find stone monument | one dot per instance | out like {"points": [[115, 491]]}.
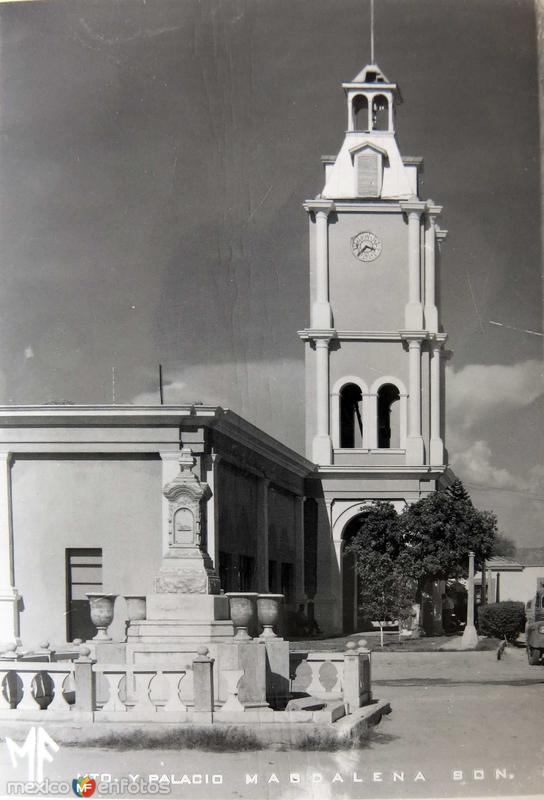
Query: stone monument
{"points": [[186, 609]]}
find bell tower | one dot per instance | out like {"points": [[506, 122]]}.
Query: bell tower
{"points": [[373, 349], [374, 388]]}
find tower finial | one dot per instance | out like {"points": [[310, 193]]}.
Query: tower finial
{"points": [[372, 32]]}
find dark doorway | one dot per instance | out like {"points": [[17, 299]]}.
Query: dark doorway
{"points": [[83, 574]]}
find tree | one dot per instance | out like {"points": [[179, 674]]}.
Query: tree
{"points": [[504, 546], [441, 529], [396, 554], [457, 491], [387, 587]]}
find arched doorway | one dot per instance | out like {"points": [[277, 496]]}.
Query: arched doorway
{"points": [[352, 620]]}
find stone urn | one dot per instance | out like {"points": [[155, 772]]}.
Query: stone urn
{"points": [[268, 609], [242, 605], [136, 606], [101, 613]]}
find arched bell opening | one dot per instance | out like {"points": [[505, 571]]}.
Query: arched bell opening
{"points": [[380, 113], [360, 113], [351, 416], [389, 416]]}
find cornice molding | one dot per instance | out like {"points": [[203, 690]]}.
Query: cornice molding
{"points": [[310, 334], [319, 204], [428, 472], [413, 206], [358, 206]]}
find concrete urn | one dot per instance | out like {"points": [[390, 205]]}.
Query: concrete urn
{"points": [[101, 613], [268, 609], [136, 607], [242, 606]]}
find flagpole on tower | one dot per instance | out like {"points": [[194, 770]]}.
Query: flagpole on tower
{"points": [[372, 32]]}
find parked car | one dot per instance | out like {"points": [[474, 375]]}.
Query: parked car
{"points": [[534, 628]]}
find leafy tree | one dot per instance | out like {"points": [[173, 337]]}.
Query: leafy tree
{"points": [[387, 587], [396, 554], [504, 546], [439, 531], [457, 491]]}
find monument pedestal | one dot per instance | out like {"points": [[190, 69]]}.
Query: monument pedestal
{"points": [[170, 618]]}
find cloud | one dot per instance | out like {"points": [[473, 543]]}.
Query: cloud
{"points": [[475, 465], [479, 390], [254, 389], [478, 394]]}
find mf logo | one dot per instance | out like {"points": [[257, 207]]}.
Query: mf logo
{"points": [[37, 749]]}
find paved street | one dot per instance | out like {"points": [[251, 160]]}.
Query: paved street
{"points": [[462, 725]]}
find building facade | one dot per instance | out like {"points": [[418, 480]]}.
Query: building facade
{"points": [[83, 509]]}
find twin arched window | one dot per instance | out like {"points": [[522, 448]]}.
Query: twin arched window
{"points": [[381, 414], [379, 119]]}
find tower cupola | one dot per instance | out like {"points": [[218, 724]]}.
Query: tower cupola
{"points": [[371, 101], [369, 164]]}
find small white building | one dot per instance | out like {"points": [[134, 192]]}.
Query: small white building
{"points": [[510, 579]]}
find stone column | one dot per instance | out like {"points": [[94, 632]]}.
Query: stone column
{"points": [[262, 534], [437, 445], [300, 594], [414, 442], [431, 311], [413, 315], [370, 421], [470, 637], [322, 447], [9, 617], [321, 309]]}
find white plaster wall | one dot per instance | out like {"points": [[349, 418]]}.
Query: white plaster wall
{"points": [[114, 504], [369, 296], [519, 585], [369, 361]]}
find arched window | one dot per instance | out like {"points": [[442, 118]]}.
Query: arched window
{"points": [[388, 416], [360, 113], [351, 420], [380, 113]]}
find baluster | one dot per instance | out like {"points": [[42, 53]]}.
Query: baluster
{"points": [[4, 703], [143, 681], [28, 702], [314, 687], [58, 703], [174, 701], [114, 684], [232, 678]]}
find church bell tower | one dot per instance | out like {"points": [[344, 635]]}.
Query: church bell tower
{"points": [[374, 366], [373, 347]]}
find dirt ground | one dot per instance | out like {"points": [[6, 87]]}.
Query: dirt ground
{"points": [[463, 724]]}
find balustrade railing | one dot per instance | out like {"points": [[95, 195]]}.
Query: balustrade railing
{"points": [[85, 690], [334, 676]]}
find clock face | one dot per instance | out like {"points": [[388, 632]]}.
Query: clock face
{"points": [[366, 246]]}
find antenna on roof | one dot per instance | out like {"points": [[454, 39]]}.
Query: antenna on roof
{"points": [[372, 32], [113, 398], [161, 390]]}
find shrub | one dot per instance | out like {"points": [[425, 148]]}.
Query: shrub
{"points": [[504, 620]]}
